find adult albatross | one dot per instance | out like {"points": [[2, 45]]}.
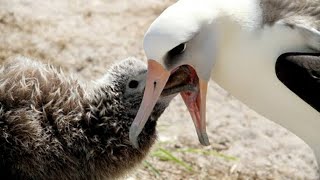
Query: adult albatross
{"points": [[237, 44]]}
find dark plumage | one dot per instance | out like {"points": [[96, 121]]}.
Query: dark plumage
{"points": [[54, 127], [300, 72]]}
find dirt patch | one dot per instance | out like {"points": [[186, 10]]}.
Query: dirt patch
{"points": [[84, 37]]}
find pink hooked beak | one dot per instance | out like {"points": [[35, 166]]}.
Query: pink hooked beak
{"points": [[157, 77]]}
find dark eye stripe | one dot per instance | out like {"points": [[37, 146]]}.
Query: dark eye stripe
{"points": [[177, 50], [173, 56]]}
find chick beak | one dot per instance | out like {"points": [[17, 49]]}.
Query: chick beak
{"points": [[157, 77]]}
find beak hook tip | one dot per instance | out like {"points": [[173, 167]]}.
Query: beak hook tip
{"points": [[204, 140]]}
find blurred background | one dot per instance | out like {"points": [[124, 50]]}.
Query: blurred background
{"points": [[85, 37]]}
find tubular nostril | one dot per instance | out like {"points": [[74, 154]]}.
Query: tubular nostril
{"points": [[133, 84], [154, 84]]}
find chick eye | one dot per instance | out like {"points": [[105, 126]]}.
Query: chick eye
{"points": [[133, 84], [178, 49]]}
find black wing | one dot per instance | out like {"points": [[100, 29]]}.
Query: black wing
{"points": [[300, 72]]}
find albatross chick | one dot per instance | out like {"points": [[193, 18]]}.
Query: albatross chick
{"points": [[52, 126]]}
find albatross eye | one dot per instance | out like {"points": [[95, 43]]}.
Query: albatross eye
{"points": [[178, 49]]}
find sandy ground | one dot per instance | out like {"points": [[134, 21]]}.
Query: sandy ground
{"points": [[84, 37]]}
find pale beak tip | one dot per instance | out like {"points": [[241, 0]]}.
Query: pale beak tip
{"points": [[133, 136], [204, 140]]}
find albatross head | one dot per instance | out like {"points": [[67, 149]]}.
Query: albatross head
{"points": [[182, 36]]}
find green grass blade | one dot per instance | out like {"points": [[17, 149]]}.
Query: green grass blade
{"points": [[209, 152], [152, 168], [171, 157]]}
